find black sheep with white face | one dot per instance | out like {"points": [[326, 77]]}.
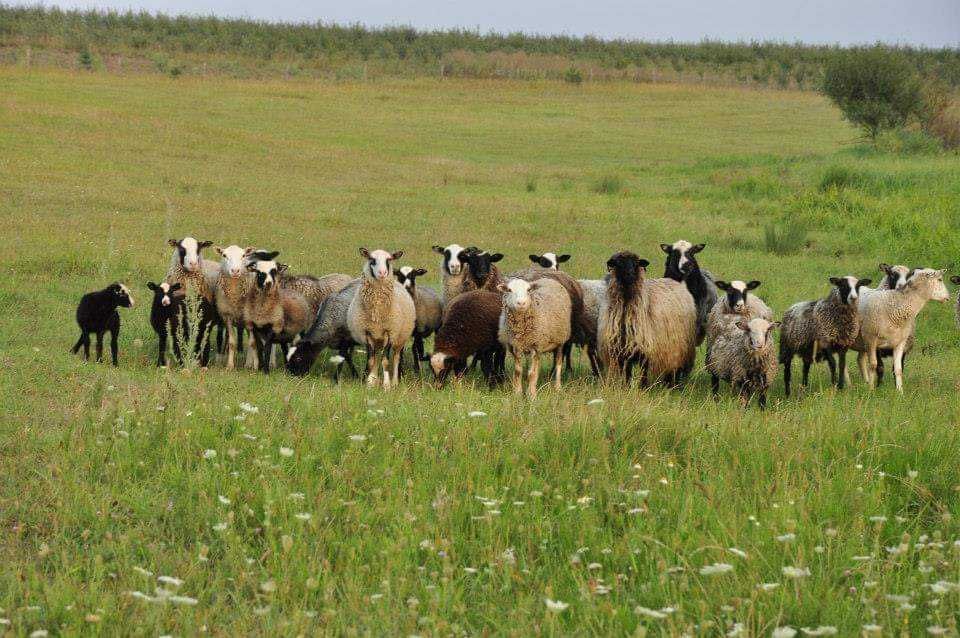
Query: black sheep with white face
{"points": [[97, 313], [848, 288], [681, 259], [168, 315]]}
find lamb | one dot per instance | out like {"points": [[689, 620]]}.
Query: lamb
{"points": [[382, 315], [744, 355], [736, 303], [470, 328], [652, 322], [271, 313], [536, 319], [97, 313], [168, 309], [328, 331], [816, 329], [454, 273], [681, 265], [888, 317], [429, 310], [549, 261]]}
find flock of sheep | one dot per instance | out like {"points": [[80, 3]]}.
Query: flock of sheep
{"points": [[626, 322]]}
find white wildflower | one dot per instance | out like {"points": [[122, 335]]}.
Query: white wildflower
{"points": [[358, 438], [593, 566], [170, 580], [937, 630], [878, 519], [286, 452], [219, 527], [861, 559], [784, 632], [767, 586], [182, 600], [650, 613], [787, 538], [223, 499], [872, 629], [209, 454], [143, 572], [39, 633], [738, 629], [476, 414], [796, 572], [337, 359], [470, 570], [508, 556], [716, 568], [737, 551], [822, 630], [248, 408], [303, 516], [595, 402], [556, 606]]}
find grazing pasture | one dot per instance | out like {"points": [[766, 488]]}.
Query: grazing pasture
{"points": [[274, 505]]}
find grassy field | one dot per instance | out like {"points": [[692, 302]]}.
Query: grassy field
{"points": [[326, 509]]}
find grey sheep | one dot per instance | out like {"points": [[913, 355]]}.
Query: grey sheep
{"points": [[428, 308], [328, 331], [743, 354]]}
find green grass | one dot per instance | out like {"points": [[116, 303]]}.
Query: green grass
{"points": [[607, 507]]}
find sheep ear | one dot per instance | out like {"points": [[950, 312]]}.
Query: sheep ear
{"points": [[644, 263], [267, 256], [884, 268], [753, 285], [173, 242], [419, 272], [864, 282], [252, 267], [204, 244], [722, 285], [501, 287], [364, 253], [151, 285], [282, 268], [743, 325], [496, 257], [437, 249], [176, 286], [955, 279], [696, 248], [774, 326], [666, 248], [219, 250], [249, 250], [563, 258], [397, 255], [534, 258], [835, 281], [939, 273]]}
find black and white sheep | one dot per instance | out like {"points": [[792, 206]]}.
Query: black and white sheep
{"points": [[97, 314], [168, 315], [681, 265], [549, 260], [191, 270], [818, 329], [888, 319], [453, 273], [428, 308], [381, 316], [744, 355], [647, 322]]}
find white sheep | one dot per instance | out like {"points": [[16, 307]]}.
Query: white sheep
{"points": [[535, 320], [888, 317], [381, 316], [230, 294], [650, 322], [743, 354]]}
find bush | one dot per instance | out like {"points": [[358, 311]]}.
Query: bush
{"points": [[876, 88], [573, 76], [85, 60], [788, 236], [608, 185], [839, 177], [907, 142], [531, 183]]}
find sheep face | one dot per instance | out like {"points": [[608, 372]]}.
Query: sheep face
{"points": [[267, 272], [849, 288], [121, 295], [452, 258], [408, 276], [895, 277], [300, 358], [680, 257], [379, 263], [758, 332], [233, 260], [516, 293], [550, 261], [480, 262], [188, 252], [627, 268], [162, 293], [931, 282], [737, 293]]}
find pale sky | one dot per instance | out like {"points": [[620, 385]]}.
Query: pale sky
{"points": [[934, 23]]}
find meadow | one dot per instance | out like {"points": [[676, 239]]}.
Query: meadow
{"points": [[271, 505]]}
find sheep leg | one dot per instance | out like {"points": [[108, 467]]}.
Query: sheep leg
{"points": [[842, 364], [805, 379], [162, 348], [517, 371], [347, 354], [561, 359], [872, 352], [99, 347], [594, 360], [567, 351], [828, 357], [417, 350], [533, 374], [787, 372], [385, 364], [898, 365], [76, 347], [372, 379], [232, 339], [880, 370], [715, 386], [395, 355], [253, 348], [175, 341], [114, 345], [762, 399]]}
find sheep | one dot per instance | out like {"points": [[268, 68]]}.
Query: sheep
{"points": [[382, 315], [652, 322], [328, 331], [189, 268], [230, 295], [168, 308], [453, 273], [737, 302], [482, 272], [956, 280], [744, 355], [429, 311], [470, 327], [894, 278], [535, 319], [681, 265], [549, 261], [271, 313], [887, 319], [817, 329], [97, 313]]}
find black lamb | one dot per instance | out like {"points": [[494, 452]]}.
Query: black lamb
{"points": [[97, 313], [168, 309]]}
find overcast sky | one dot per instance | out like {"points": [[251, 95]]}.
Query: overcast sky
{"points": [[918, 22]]}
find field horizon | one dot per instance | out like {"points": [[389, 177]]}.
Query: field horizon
{"points": [[276, 505]]}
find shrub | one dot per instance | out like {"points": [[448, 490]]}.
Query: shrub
{"points": [[876, 88], [85, 60], [839, 177], [573, 76], [940, 120], [908, 142], [787, 236], [531, 183], [608, 185]]}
